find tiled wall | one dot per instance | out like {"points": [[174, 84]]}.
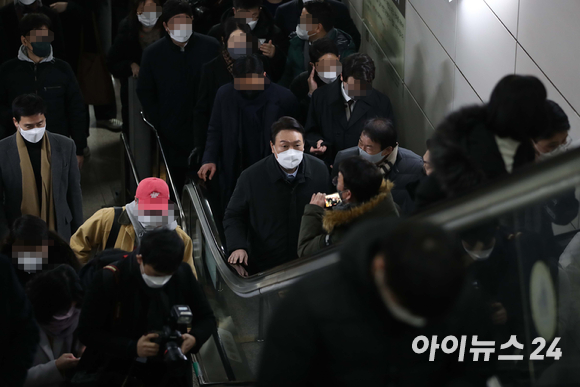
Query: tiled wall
{"points": [[456, 51]]}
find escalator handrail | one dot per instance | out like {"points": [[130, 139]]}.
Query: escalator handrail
{"points": [[129, 155], [170, 177], [528, 186], [261, 283]]}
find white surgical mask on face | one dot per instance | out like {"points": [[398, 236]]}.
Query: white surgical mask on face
{"points": [[558, 151], [479, 255], [290, 159], [182, 34], [148, 19], [32, 135], [372, 158], [302, 33], [154, 282], [328, 76], [252, 23]]}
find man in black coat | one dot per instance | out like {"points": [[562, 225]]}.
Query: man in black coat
{"points": [[356, 322], [10, 16], [51, 78], [239, 131], [288, 15], [339, 111], [262, 220], [18, 330], [129, 303], [169, 80], [378, 144], [273, 42]]}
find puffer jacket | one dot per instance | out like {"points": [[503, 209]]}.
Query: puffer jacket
{"points": [[295, 63], [320, 229]]}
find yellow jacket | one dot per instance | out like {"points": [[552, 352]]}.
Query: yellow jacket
{"points": [[95, 232]]}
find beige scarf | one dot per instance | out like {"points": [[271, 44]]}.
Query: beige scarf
{"points": [[30, 199]]}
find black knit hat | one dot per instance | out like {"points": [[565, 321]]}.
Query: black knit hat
{"points": [[176, 7]]}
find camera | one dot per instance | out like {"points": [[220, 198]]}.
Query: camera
{"points": [[169, 339]]}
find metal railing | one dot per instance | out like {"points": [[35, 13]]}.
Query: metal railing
{"points": [[169, 177], [130, 159]]}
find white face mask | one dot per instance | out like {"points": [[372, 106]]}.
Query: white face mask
{"points": [[252, 23], [478, 255], [182, 34], [32, 135], [558, 151], [375, 159], [328, 76], [153, 281], [302, 33], [149, 19], [290, 159]]}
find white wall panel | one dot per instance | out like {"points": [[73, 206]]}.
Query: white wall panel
{"points": [[440, 16], [463, 93], [550, 32], [428, 69], [358, 7], [507, 12], [417, 127], [525, 66], [485, 49]]}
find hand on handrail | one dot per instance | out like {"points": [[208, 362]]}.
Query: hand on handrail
{"points": [[239, 256], [206, 169]]}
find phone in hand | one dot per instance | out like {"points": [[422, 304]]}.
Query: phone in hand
{"points": [[332, 200]]}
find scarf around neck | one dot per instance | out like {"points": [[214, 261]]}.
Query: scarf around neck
{"points": [[31, 203]]}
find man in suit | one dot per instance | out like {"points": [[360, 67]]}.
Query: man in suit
{"points": [[339, 111], [288, 16], [39, 173]]}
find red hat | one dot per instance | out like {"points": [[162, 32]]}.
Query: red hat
{"points": [[153, 194]]}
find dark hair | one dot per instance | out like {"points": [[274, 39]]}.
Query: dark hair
{"points": [[381, 131], [428, 143], [60, 253], [33, 21], [361, 177], [53, 292], [423, 268], [28, 230], [322, 47], [232, 24], [286, 123], [133, 20], [516, 108], [247, 4], [175, 7], [557, 121], [482, 233], [163, 249], [321, 11], [27, 105], [358, 66], [249, 64]]}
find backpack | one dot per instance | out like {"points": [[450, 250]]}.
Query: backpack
{"points": [[114, 233], [100, 261]]}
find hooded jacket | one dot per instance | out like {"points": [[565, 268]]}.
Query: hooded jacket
{"points": [[320, 229], [94, 233], [333, 329], [53, 79]]}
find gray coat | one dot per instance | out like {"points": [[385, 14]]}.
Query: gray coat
{"points": [[407, 169], [66, 184]]}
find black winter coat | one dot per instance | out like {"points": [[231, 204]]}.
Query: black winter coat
{"points": [[141, 310], [11, 37], [327, 118], [333, 329], [408, 168], [56, 83], [264, 213], [288, 15], [299, 87], [226, 133], [167, 88], [264, 31], [18, 329]]}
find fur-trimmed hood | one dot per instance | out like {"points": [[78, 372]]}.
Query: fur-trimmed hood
{"points": [[339, 217]]}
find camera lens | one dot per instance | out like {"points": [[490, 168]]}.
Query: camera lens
{"points": [[173, 353]]}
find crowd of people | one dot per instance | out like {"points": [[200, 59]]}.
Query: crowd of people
{"points": [[268, 105]]}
